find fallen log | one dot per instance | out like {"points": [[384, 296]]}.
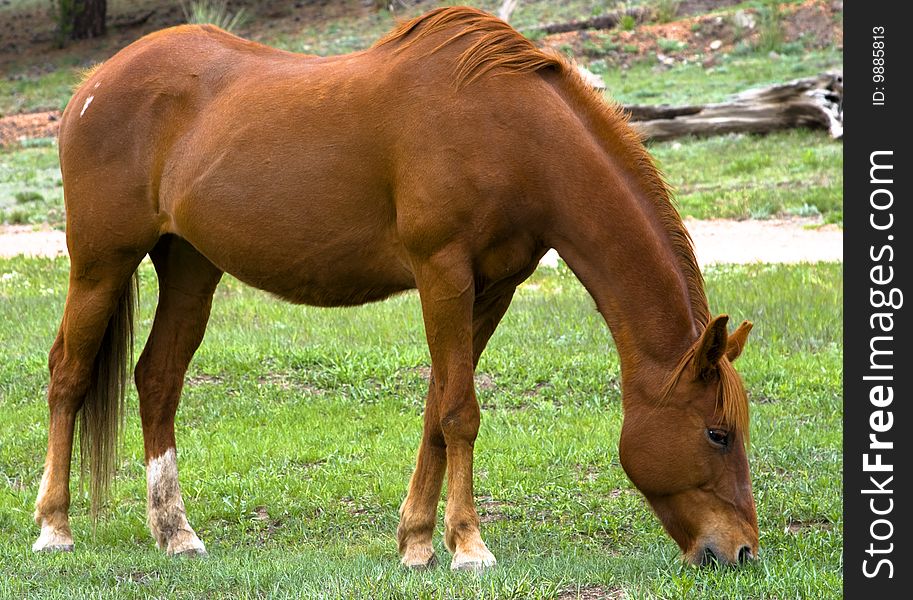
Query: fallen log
{"points": [[815, 102], [606, 21]]}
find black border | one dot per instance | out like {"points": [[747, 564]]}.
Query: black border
{"points": [[873, 128]]}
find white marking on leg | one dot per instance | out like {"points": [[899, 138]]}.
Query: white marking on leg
{"points": [[167, 518], [53, 537], [476, 558], [86, 105], [43, 488]]}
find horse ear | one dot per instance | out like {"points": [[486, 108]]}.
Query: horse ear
{"points": [[736, 342], [712, 345]]}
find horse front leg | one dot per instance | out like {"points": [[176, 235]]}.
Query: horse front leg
{"points": [[418, 512], [445, 284]]}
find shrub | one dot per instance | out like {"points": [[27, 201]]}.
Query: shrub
{"points": [[213, 12], [667, 45], [17, 217], [626, 23], [28, 196], [665, 10], [770, 26]]}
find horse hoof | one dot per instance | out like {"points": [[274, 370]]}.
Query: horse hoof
{"points": [[186, 543], [192, 553], [475, 563], [53, 548], [420, 564], [419, 557], [53, 540]]}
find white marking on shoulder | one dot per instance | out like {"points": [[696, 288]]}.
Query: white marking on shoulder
{"points": [[86, 105], [97, 83]]}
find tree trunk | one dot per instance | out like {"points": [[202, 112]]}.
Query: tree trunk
{"points": [[81, 19]]}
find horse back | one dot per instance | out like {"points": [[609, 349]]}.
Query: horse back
{"points": [[276, 165]]}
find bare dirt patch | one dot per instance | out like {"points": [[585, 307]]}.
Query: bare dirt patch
{"points": [[28, 38], [771, 241], [491, 510], [800, 525], [587, 472], [791, 240], [26, 240], [816, 23], [537, 389], [15, 129], [198, 380], [287, 381]]}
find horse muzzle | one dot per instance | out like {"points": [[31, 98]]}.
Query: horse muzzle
{"points": [[709, 553]]}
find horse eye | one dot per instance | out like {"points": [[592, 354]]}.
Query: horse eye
{"points": [[720, 437]]}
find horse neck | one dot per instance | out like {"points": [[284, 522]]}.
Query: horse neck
{"points": [[622, 251]]}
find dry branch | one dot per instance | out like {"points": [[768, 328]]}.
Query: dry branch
{"points": [[815, 102], [507, 9]]}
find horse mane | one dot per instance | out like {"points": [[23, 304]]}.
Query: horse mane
{"points": [[498, 45], [627, 146], [86, 74], [495, 45], [732, 401]]}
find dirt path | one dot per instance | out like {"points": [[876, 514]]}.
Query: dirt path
{"points": [[16, 240], [771, 241]]}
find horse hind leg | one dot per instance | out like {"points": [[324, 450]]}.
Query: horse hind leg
{"points": [[187, 281], [97, 316]]}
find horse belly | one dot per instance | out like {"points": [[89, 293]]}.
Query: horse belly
{"points": [[315, 271], [321, 249]]}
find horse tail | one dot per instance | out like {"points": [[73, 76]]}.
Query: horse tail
{"points": [[101, 419]]}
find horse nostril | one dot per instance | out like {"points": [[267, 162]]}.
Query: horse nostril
{"points": [[745, 554], [708, 557]]}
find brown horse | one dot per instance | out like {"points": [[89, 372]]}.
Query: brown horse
{"points": [[449, 157]]}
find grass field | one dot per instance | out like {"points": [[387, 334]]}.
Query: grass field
{"points": [[298, 429]]}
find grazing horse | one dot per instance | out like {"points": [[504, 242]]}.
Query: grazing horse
{"points": [[449, 157]]}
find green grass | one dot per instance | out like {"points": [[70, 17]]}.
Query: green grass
{"points": [[31, 191], [691, 83], [315, 415], [30, 93], [796, 172]]}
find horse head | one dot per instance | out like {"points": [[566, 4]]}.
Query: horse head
{"points": [[685, 449]]}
